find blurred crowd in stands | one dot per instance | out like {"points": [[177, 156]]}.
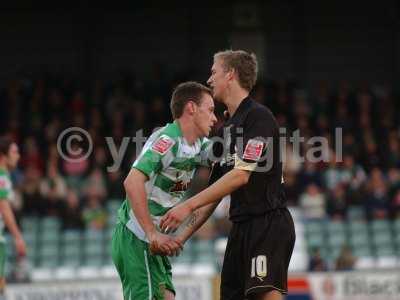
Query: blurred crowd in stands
{"points": [[35, 111]]}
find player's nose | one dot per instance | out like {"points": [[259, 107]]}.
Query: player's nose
{"points": [[213, 119]]}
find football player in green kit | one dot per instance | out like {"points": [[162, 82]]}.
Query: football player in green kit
{"points": [[9, 156], [157, 182]]}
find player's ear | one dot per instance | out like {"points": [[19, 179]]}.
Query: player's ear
{"points": [[191, 107], [231, 74]]}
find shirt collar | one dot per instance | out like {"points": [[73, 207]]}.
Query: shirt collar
{"points": [[242, 107], [178, 127]]}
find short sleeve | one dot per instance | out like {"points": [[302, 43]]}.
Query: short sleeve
{"points": [[4, 190], [258, 138], [156, 155]]}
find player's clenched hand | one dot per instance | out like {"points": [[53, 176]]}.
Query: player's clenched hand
{"points": [[174, 217], [162, 244]]}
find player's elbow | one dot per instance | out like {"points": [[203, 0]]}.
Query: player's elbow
{"points": [[129, 183], [126, 184]]}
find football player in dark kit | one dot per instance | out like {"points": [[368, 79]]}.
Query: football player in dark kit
{"points": [[262, 237]]}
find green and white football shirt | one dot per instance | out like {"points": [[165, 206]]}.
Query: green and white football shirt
{"points": [[6, 194], [169, 162]]}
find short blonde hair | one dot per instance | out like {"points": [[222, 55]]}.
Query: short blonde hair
{"points": [[244, 63]]}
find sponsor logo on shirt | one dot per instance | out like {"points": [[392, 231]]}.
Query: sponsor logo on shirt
{"points": [[180, 186], [3, 183], [163, 144], [253, 150]]}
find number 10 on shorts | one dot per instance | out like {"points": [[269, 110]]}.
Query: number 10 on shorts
{"points": [[259, 266]]}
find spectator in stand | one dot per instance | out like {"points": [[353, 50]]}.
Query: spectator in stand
{"points": [[332, 174], [53, 190], [94, 214], [76, 168], [309, 175], [394, 191], [313, 203], [317, 264], [346, 260], [377, 201], [71, 215], [114, 183], [32, 158], [337, 202], [33, 203], [95, 184]]}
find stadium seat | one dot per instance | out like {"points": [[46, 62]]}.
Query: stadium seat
{"points": [[356, 213], [112, 220], [315, 240], [204, 251], [72, 253], [50, 262], [378, 226], [29, 224], [385, 250], [336, 227], [396, 241], [94, 260], [71, 261], [331, 253], [337, 239], [359, 239], [93, 249], [50, 224], [30, 239], [314, 227], [108, 233], [49, 255], [357, 227], [113, 205], [50, 237], [396, 225], [382, 238], [71, 236], [186, 256], [93, 236], [362, 251]]}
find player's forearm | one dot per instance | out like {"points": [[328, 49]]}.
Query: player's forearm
{"points": [[197, 219], [224, 186], [136, 192], [9, 219]]}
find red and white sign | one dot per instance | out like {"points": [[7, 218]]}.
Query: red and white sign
{"points": [[163, 144], [253, 150]]}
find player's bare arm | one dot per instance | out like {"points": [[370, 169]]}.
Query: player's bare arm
{"points": [[135, 188], [9, 220], [197, 219], [224, 186]]}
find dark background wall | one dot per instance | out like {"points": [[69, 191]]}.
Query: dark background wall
{"points": [[306, 40]]}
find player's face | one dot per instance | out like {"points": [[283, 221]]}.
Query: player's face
{"points": [[204, 117], [13, 156], [218, 80]]}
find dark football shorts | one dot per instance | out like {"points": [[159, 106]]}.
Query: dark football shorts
{"points": [[257, 255]]}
